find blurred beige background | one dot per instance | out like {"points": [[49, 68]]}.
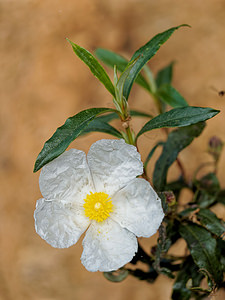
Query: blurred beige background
{"points": [[43, 83]]}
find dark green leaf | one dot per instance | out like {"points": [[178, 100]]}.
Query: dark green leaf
{"points": [[149, 276], [179, 117], [221, 250], [151, 153], [120, 84], [133, 113], [209, 183], [176, 186], [171, 96], [136, 113], [65, 134], [145, 53], [116, 276], [99, 126], [176, 142], [112, 59], [189, 272], [208, 188], [165, 75], [221, 197], [203, 250], [210, 221], [94, 66]]}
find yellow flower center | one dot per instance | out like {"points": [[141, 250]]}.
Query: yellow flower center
{"points": [[97, 206]]}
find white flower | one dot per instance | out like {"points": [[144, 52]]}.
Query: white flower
{"points": [[100, 194]]}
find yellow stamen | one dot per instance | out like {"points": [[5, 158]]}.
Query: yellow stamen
{"points": [[97, 206]]}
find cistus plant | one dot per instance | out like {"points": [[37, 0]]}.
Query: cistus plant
{"points": [[109, 192]]}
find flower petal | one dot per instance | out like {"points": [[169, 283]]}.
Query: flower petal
{"points": [[138, 208], [113, 164], [107, 246], [67, 177], [58, 224]]}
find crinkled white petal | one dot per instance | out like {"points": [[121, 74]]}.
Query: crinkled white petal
{"points": [[138, 208], [60, 225], [107, 246], [67, 177], [113, 164]]}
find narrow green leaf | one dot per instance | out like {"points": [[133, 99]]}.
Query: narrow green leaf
{"points": [[176, 142], [165, 75], [221, 197], [145, 53], [189, 272], [170, 96], [94, 66], [210, 221], [65, 134], [151, 153], [203, 248], [133, 113], [208, 188], [179, 117], [112, 59], [120, 84], [136, 113], [100, 126]]}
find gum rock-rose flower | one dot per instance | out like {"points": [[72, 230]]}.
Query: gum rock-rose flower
{"points": [[100, 194]]}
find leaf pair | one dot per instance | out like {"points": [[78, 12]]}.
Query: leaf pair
{"points": [[140, 57]]}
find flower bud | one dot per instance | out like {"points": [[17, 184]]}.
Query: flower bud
{"points": [[215, 147], [170, 198]]}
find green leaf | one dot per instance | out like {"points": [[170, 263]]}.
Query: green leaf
{"points": [[203, 248], [112, 59], [116, 276], [151, 153], [145, 53], [189, 273], [210, 221], [208, 188], [133, 113], [65, 134], [94, 66], [176, 142], [179, 117], [170, 96], [100, 126], [120, 84], [165, 75], [221, 197], [136, 113]]}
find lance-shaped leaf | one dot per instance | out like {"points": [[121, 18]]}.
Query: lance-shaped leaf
{"points": [[133, 113], [100, 126], [151, 153], [221, 197], [203, 248], [170, 96], [94, 66], [210, 221], [176, 142], [146, 52], [65, 134], [165, 75], [179, 117], [126, 73], [112, 59], [208, 188], [189, 272]]}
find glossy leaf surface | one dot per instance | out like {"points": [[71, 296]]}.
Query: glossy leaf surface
{"points": [[65, 134], [94, 66]]}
